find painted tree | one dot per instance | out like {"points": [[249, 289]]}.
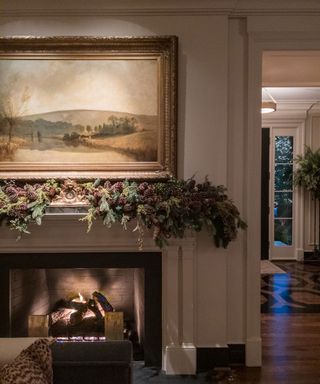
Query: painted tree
{"points": [[13, 105]]}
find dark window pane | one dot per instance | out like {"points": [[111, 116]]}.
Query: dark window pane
{"points": [[282, 232], [283, 204], [283, 149], [283, 177]]}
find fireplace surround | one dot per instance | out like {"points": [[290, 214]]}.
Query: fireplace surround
{"points": [[61, 240]]}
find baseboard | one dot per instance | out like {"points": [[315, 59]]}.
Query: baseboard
{"points": [[180, 359], [309, 256], [231, 354]]}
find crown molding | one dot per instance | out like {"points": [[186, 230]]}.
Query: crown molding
{"points": [[231, 8]]}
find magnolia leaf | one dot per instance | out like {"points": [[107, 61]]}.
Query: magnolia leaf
{"points": [[32, 204], [36, 212], [96, 183], [104, 205]]}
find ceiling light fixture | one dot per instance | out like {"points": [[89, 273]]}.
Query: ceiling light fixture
{"points": [[268, 106]]}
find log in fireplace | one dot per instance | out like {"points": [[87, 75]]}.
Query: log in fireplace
{"points": [[37, 284]]}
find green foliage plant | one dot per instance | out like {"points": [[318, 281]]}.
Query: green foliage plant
{"points": [[168, 208], [307, 174]]}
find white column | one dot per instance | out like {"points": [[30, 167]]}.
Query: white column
{"points": [[187, 295], [172, 296], [180, 352]]}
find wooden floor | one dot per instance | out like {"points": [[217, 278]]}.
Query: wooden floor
{"points": [[290, 330], [291, 351], [291, 355]]}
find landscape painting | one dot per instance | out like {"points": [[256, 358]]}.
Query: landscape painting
{"points": [[93, 110]]}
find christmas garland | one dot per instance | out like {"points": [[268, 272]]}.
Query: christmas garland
{"points": [[169, 208]]}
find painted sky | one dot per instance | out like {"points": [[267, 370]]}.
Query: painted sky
{"points": [[107, 85]]}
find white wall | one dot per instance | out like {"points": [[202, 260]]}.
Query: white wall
{"points": [[202, 135]]}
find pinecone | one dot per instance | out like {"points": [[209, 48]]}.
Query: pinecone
{"points": [[107, 184], [31, 195], [122, 200], [10, 190], [13, 197], [127, 208], [150, 201], [118, 186], [23, 207], [142, 186], [149, 191]]}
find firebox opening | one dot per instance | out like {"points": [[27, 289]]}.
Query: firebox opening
{"points": [[118, 275], [75, 301]]}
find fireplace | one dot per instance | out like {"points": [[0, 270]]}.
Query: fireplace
{"points": [[35, 284], [62, 244]]}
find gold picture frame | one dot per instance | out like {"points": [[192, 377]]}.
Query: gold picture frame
{"points": [[88, 107]]}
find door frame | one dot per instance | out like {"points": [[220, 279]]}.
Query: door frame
{"points": [[261, 38]]}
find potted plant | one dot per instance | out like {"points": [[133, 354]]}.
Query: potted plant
{"points": [[307, 175]]}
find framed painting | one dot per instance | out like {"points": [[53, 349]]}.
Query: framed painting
{"points": [[85, 107]]}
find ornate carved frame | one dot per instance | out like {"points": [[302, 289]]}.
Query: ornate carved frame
{"points": [[163, 48]]}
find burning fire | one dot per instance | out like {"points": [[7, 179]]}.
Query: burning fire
{"points": [[79, 299]]}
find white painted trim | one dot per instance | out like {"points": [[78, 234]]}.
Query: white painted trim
{"points": [[99, 8], [259, 42], [253, 205], [299, 254], [180, 359], [253, 352]]}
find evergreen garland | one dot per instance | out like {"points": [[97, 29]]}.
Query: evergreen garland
{"points": [[168, 208]]}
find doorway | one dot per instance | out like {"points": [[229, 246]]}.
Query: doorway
{"points": [[279, 214], [289, 296]]}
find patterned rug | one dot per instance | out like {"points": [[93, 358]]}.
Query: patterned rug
{"points": [[144, 375], [296, 291]]}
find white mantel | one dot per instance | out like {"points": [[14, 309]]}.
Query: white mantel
{"points": [[65, 234]]}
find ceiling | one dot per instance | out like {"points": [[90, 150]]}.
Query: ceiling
{"points": [[292, 79], [291, 94], [291, 69]]}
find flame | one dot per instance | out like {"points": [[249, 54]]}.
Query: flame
{"points": [[79, 299]]}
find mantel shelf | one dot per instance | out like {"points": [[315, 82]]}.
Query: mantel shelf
{"points": [[67, 210]]}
